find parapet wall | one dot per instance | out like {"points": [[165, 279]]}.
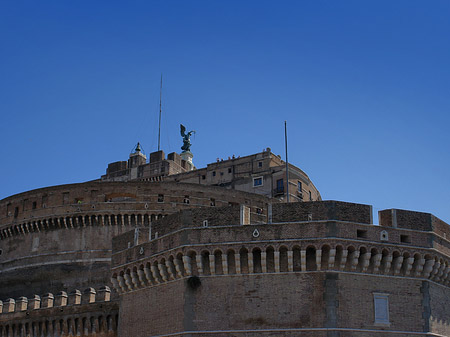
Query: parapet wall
{"points": [[68, 205], [90, 313], [399, 218], [322, 210]]}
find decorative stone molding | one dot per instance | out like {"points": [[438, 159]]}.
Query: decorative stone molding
{"points": [[340, 256]]}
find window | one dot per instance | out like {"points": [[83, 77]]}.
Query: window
{"points": [[186, 199], [310, 196], [381, 308], [16, 212], [160, 197], [258, 181], [229, 170], [260, 164], [299, 186], [33, 206], [360, 233], [405, 238], [203, 177], [221, 173], [214, 173], [280, 186], [213, 202]]}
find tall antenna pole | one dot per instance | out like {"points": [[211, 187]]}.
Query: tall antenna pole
{"points": [[287, 164], [159, 126]]}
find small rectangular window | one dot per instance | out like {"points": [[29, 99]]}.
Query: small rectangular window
{"points": [[405, 238], [213, 202], [360, 233], [381, 308], [299, 186], [16, 212], [229, 170], [160, 197], [33, 205], [310, 196], [214, 173], [280, 186], [260, 164], [203, 177], [186, 199], [257, 181]]}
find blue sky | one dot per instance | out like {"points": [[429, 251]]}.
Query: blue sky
{"points": [[364, 87]]}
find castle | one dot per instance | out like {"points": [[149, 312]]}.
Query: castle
{"points": [[161, 248]]}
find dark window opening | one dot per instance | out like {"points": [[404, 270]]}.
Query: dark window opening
{"points": [[221, 173], [160, 197], [229, 170], [213, 202], [361, 233], [405, 238], [203, 177], [16, 212], [33, 205], [260, 164], [186, 199], [280, 186], [214, 173]]}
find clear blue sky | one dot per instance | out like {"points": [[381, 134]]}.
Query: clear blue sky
{"points": [[363, 85]]}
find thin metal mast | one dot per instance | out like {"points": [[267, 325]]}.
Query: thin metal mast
{"points": [[287, 164], [159, 126]]}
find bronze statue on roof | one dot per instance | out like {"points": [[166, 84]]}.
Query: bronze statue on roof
{"points": [[186, 138]]}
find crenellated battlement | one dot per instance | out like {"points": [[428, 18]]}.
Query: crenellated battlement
{"points": [[62, 299], [87, 313]]}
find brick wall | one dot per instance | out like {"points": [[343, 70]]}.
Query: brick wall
{"points": [[224, 303], [322, 210]]}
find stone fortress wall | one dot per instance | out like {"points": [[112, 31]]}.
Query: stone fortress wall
{"points": [[57, 238], [315, 269], [216, 252]]}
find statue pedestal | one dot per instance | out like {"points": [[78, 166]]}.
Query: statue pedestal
{"points": [[187, 156]]}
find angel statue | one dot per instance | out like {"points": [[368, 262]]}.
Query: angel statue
{"points": [[186, 138]]}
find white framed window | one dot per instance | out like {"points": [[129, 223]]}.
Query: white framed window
{"points": [[257, 181], [381, 308]]}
